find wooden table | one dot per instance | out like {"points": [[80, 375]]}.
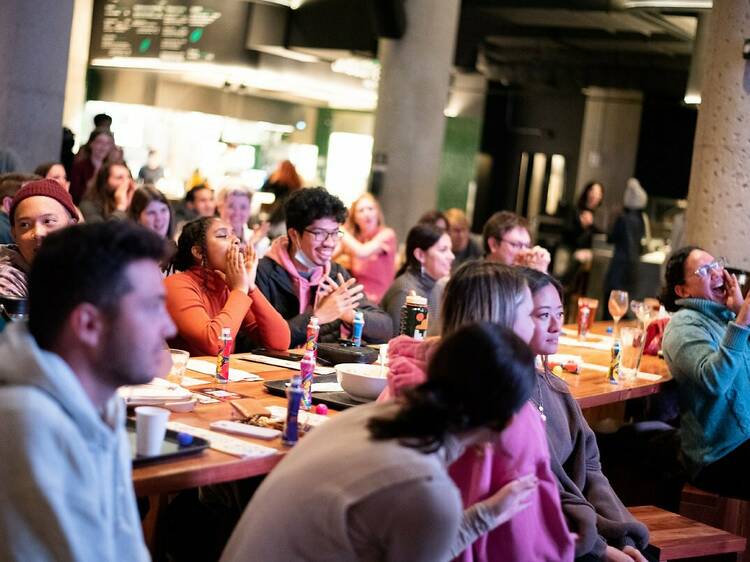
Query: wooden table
{"points": [[590, 388]]}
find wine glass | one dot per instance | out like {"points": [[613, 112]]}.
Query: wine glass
{"points": [[642, 311], [618, 307]]}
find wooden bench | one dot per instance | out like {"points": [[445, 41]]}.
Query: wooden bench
{"points": [[674, 537], [730, 514]]}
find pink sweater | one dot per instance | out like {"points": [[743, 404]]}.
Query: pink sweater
{"points": [[539, 533]]}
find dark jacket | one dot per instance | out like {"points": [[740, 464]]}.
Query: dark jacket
{"points": [[275, 283]]}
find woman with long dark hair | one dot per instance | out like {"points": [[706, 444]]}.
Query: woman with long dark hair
{"points": [[98, 150], [428, 259], [110, 195], [605, 528], [387, 494], [215, 288], [706, 347]]}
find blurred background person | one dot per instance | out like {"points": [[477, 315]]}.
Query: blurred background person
{"points": [[99, 149], [152, 171], [282, 182], [507, 240], [368, 247], [53, 171], [435, 217], [578, 240], [465, 247], [627, 235], [428, 259], [110, 195], [234, 205]]}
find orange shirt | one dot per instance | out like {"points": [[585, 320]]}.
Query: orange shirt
{"points": [[201, 304]]}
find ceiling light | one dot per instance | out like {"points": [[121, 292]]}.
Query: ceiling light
{"points": [[692, 99]]}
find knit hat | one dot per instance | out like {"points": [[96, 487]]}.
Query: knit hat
{"points": [[635, 196], [43, 188]]}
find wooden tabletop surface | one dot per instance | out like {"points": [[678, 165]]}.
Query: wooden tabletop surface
{"points": [[590, 388]]}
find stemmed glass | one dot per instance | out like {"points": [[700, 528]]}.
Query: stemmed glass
{"points": [[642, 311], [618, 307]]}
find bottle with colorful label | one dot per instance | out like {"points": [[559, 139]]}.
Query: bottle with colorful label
{"points": [[357, 327], [306, 371], [291, 426], [614, 364], [222, 359], [414, 316], [311, 339]]}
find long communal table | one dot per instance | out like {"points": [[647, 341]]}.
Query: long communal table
{"points": [[590, 387]]}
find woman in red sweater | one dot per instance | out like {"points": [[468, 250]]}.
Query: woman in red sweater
{"points": [[215, 289]]}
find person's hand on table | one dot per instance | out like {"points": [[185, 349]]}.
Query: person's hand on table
{"points": [[627, 554], [512, 498]]}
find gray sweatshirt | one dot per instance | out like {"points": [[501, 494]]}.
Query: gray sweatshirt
{"points": [[340, 496], [589, 503]]}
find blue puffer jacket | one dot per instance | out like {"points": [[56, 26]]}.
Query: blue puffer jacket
{"points": [[709, 357]]}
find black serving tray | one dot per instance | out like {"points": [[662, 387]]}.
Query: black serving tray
{"points": [[335, 400], [170, 448]]}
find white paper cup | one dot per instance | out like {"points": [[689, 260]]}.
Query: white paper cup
{"points": [[150, 428]]}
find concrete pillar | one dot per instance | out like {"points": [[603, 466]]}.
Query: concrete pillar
{"points": [[78, 63], [718, 215], [33, 66], [609, 144], [409, 123]]}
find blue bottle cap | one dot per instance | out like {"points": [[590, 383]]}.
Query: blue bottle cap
{"points": [[610, 329], [184, 439]]}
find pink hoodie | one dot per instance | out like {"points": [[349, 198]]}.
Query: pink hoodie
{"points": [[279, 252], [538, 533]]}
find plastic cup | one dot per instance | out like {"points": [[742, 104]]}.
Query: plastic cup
{"points": [[179, 364], [586, 313], [150, 429], [631, 341]]}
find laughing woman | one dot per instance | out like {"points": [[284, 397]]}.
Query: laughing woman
{"points": [[706, 348], [216, 289]]}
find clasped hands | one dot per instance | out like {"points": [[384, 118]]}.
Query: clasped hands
{"points": [[337, 299]]}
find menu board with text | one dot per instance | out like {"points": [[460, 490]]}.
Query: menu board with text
{"points": [[170, 30]]}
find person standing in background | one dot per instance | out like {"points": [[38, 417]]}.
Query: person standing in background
{"points": [[627, 235], [282, 183], [152, 171], [368, 247], [98, 150]]}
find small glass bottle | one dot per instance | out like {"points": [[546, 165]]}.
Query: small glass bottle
{"points": [[222, 359]]}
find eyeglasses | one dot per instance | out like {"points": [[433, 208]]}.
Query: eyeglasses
{"points": [[516, 245], [322, 235], [705, 270]]}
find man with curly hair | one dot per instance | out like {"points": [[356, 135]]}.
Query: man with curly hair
{"points": [[298, 277]]}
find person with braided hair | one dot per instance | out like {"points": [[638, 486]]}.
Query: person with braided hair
{"points": [[391, 497], [215, 288]]}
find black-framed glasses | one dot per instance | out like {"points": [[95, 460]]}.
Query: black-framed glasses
{"points": [[321, 236], [705, 270], [516, 245]]}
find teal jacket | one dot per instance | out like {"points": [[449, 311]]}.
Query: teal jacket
{"points": [[709, 357]]}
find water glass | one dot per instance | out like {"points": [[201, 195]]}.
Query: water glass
{"points": [[631, 350], [179, 364]]}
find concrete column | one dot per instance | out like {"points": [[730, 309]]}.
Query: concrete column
{"points": [[33, 66], [409, 123], [78, 63], [609, 144], [718, 215]]}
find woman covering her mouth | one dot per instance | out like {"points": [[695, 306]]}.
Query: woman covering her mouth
{"points": [[706, 348]]}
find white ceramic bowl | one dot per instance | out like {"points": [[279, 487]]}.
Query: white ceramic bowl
{"points": [[361, 381]]}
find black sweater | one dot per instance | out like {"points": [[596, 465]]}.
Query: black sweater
{"points": [[275, 283]]}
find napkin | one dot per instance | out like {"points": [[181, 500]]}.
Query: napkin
{"points": [[208, 368], [157, 391]]}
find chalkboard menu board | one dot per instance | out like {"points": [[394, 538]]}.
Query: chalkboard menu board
{"points": [[171, 30]]}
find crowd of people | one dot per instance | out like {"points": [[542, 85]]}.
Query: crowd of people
{"points": [[475, 450]]}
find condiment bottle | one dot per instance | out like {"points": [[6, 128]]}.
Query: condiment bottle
{"points": [[414, 316], [222, 359]]}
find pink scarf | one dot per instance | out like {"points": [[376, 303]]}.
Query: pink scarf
{"points": [[279, 252]]}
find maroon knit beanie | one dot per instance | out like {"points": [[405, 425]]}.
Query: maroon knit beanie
{"points": [[43, 188]]}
